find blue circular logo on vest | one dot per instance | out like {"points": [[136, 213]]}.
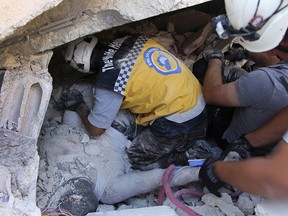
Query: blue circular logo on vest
{"points": [[162, 61]]}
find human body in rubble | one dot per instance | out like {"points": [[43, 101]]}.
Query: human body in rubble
{"points": [[85, 172], [261, 97], [138, 74]]}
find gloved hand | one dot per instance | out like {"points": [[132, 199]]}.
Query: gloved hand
{"points": [[232, 73], [72, 99], [210, 54], [125, 123], [208, 177], [241, 146], [236, 53]]}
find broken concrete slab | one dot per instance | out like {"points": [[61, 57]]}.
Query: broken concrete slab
{"points": [[24, 98], [15, 13], [61, 24], [19, 155], [6, 196]]}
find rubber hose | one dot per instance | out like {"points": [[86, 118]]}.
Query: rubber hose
{"points": [[170, 195]]}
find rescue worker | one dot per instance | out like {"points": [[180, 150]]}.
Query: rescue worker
{"points": [[139, 75], [261, 95]]}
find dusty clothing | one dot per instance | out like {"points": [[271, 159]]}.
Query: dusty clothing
{"points": [[67, 154], [149, 150], [261, 94], [137, 74]]}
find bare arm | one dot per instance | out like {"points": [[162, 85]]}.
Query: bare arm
{"points": [[215, 92], [83, 112], [271, 132], [264, 176]]}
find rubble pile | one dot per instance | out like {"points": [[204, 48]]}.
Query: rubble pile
{"points": [[187, 43]]}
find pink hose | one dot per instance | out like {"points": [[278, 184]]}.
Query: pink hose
{"points": [[166, 185], [188, 191], [173, 196]]}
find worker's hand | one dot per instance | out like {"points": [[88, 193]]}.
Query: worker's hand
{"points": [[211, 54], [232, 73], [236, 53], [208, 177], [242, 147], [125, 123], [72, 99]]}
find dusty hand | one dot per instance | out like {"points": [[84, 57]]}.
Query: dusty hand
{"points": [[72, 99], [208, 177], [236, 53], [211, 54]]}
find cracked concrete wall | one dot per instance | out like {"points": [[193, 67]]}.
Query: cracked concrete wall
{"points": [[69, 20], [16, 13]]}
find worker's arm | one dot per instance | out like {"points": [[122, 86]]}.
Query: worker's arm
{"points": [[73, 100], [83, 112], [271, 132], [215, 92], [264, 176], [224, 94]]}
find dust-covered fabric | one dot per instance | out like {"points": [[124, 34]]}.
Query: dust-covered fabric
{"points": [[148, 150], [69, 159], [68, 153]]}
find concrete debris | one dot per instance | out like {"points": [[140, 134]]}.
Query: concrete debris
{"points": [[224, 203], [272, 208], [152, 211], [246, 205]]}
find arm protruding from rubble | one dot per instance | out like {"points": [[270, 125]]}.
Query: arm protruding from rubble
{"points": [[83, 112], [129, 185], [264, 176]]}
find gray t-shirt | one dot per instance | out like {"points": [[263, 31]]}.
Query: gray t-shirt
{"points": [[261, 94]]}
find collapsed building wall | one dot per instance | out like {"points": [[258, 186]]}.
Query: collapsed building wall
{"points": [[72, 19]]}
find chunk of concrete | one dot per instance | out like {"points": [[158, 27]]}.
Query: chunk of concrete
{"points": [[272, 208], [150, 211], [19, 155], [24, 97]]}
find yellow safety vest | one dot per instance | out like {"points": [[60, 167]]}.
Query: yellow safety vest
{"points": [[159, 85]]}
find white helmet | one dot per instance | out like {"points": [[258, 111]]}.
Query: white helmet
{"points": [[78, 53], [260, 24]]}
